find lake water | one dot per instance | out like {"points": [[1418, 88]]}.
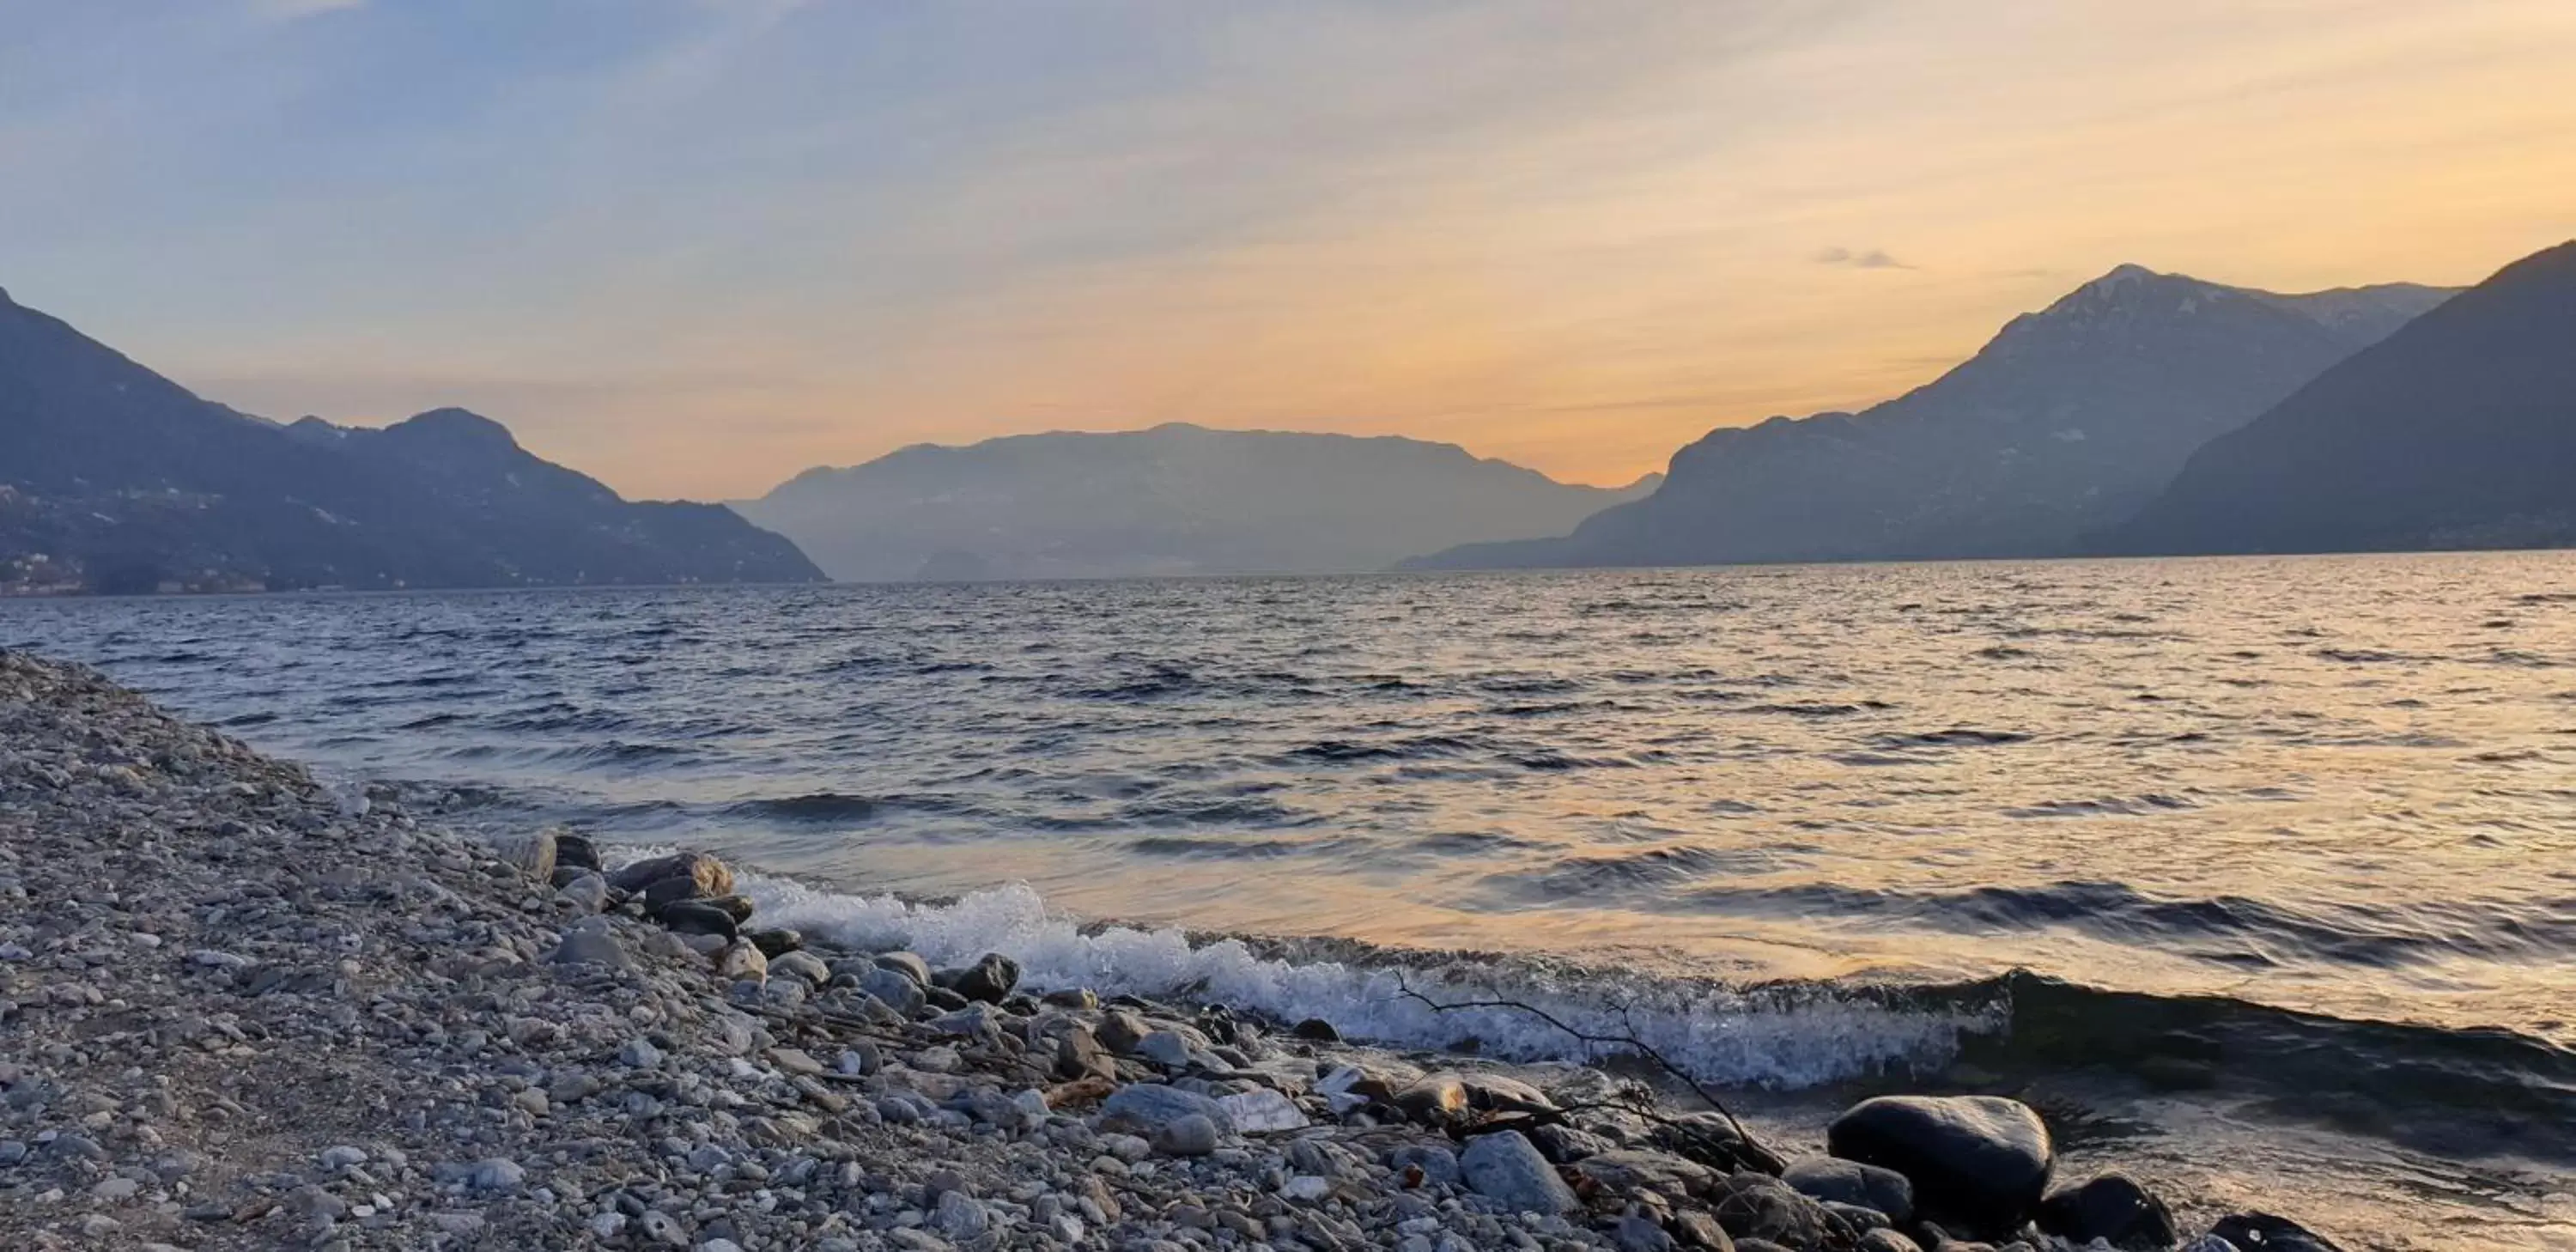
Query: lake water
{"points": [[2283, 847]]}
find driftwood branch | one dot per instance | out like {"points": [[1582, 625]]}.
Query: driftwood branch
{"points": [[1627, 1041]]}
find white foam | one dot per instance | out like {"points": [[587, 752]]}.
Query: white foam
{"points": [[1719, 1036]]}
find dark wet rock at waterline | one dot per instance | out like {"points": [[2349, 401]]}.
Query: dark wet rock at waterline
{"points": [[989, 979], [664, 892], [1978, 1163], [692, 917], [2110, 1207], [775, 942], [712, 876], [2263, 1232], [1317, 1030], [576, 851]]}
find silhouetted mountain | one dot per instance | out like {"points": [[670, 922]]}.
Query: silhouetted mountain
{"points": [[2069, 419], [2458, 431], [115, 479], [1176, 499]]}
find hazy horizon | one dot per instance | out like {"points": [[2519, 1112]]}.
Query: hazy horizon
{"points": [[698, 248]]}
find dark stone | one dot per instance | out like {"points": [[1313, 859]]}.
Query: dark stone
{"points": [[672, 890], [1078, 1054], [2110, 1207], [989, 979], [1711, 1140], [1566, 1144], [566, 875], [576, 851], [1850, 1182], [1072, 998], [1695, 1229], [1317, 1030], [1860, 1217], [713, 877], [1884, 1240], [2263, 1232], [1759, 1206], [1626, 1172], [945, 1000], [1120, 1031], [739, 906], [691, 917], [1979, 1163], [776, 942]]}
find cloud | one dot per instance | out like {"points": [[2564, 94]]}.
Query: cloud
{"points": [[1873, 259]]}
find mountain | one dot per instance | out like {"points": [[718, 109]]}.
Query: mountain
{"points": [[2068, 420], [115, 479], [1175, 499], [2458, 431]]}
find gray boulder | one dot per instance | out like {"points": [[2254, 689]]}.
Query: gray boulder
{"points": [[1506, 1168], [1850, 1182], [1148, 1106]]}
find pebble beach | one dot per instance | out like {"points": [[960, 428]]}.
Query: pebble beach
{"points": [[240, 1010]]}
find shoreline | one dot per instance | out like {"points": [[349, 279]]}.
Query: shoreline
{"points": [[239, 1014]]}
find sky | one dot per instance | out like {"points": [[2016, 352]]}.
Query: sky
{"points": [[694, 246]]}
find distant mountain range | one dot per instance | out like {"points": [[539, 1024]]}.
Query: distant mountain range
{"points": [[2457, 431], [114, 479], [2068, 421], [1175, 499]]}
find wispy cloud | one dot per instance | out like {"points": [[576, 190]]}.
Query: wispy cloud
{"points": [[1872, 259]]}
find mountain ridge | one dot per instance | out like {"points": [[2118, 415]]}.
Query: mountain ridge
{"points": [[2068, 418], [1176, 498], [2457, 431], [114, 478]]}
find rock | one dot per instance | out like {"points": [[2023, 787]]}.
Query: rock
{"points": [[2263, 1232], [575, 851], [900, 992], [1851, 1182], [1639, 1234], [1192, 1135], [1755, 1206], [1148, 1106], [1978, 1163], [662, 893], [694, 917], [975, 1021], [591, 943], [498, 1173], [1626, 1171], [1437, 1163], [1317, 1030], [989, 979], [739, 907], [908, 964], [1078, 1055], [1696, 1229], [2110, 1207], [1082, 998], [531, 854], [1886, 1240], [1448, 1097], [338, 1159], [712, 876], [1262, 1111], [1507, 1169], [796, 964], [740, 961], [961, 1217], [1120, 1031], [587, 891], [1164, 1048], [1567, 1144], [640, 1054], [778, 941]]}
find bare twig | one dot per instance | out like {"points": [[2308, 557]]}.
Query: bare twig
{"points": [[1628, 1041]]}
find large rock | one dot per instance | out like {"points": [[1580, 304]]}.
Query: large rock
{"points": [[591, 943], [694, 917], [1758, 1206], [1148, 1106], [1448, 1097], [1850, 1182], [908, 964], [712, 876], [1627, 1171], [2263, 1231], [533, 854], [1507, 1169], [1978, 1163], [576, 851], [2110, 1207], [895, 988], [989, 979]]}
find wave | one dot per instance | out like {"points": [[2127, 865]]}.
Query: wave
{"points": [[2014, 1027], [813, 806]]}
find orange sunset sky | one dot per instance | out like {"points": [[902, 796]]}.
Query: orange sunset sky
{"points": [[694, 247]]}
